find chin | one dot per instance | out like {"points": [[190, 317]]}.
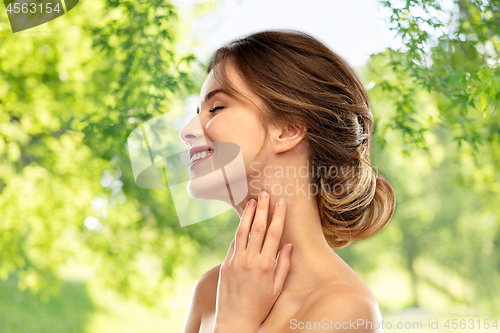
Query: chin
{"points": [[211, 186], [227, 183]]}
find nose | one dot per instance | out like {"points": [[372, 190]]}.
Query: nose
{"points": [[192, 132]]}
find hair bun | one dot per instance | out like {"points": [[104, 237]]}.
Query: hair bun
{"points": [[360, 213]]}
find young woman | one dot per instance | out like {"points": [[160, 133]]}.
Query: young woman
{"points": [[302, 122]]}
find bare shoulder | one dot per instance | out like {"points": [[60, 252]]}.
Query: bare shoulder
{"points": [[203, 300], [206, 287], [339, 308]]}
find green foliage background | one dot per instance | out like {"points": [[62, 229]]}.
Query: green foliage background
{"points": [[69, 99]]}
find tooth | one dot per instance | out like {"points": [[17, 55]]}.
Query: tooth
{"points": [[201, 155]]}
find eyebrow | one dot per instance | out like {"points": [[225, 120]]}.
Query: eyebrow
{"points": [[209, 96]]}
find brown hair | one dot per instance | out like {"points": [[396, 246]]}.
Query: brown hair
{"points": [[301, 81]]}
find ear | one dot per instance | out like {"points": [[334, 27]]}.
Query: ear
{"points": [[286, 136]]}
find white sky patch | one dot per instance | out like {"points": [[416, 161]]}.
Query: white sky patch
{"points": [[352, 29]]}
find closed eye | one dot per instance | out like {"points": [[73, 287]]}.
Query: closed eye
{"points": [[216, 108]]}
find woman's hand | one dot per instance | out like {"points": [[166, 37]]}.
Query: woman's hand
{"points": [[250, 278]]}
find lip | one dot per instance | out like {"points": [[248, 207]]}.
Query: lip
{"points": [[199, 161], [199, 149]]}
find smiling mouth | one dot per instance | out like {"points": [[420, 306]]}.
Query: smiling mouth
{"points": [[200, 156]]}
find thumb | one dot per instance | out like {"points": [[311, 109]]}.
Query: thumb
{"points": [[282, 267]]}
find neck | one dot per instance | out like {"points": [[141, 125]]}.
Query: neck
{"points": [[302, 229]]}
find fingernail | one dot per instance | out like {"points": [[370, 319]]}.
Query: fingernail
{"points": [[281, 203], [263, 195], [289, 249], [251, 203]]}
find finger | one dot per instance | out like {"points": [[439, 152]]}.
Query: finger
{"points": [[275, 230], [229, 253], [244, 226], [259, 224], [282, 267]]}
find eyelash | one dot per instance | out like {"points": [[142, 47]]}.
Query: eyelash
{"points": [[216, 108]]}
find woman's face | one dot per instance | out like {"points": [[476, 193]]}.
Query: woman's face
{"points": [[223, 128]]}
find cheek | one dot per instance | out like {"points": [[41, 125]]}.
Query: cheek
{"points": [[242, 129]]}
